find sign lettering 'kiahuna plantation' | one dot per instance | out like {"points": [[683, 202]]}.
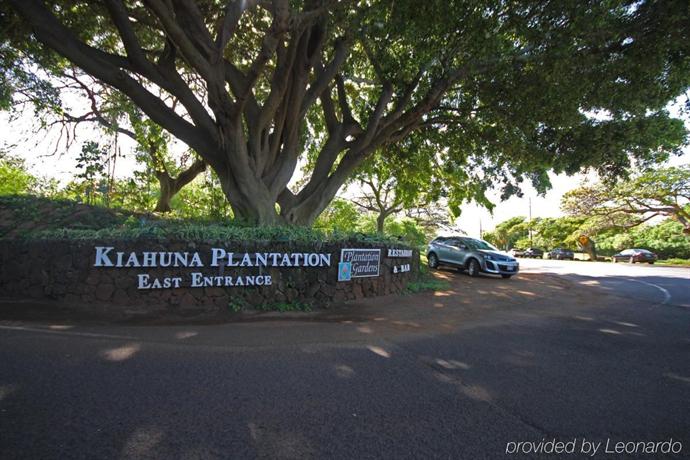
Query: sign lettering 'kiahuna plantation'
{"points": [[186, 275], [108, 256]]}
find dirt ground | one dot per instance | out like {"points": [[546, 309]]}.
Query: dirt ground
{"points": [[431, 312]]}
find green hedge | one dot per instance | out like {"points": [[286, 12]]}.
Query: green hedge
{"points": [[165, 230], [29, 217]]}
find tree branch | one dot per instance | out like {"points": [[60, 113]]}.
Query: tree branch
{"points": [[98, 116], [188, 175], [191, 51], [368, 207], [348, 119], [129, 39], [227, 24], [326, 75], [190, 18], [105, 68], [269, 44]]}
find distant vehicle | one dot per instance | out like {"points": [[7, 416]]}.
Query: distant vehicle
{"points": [[534, 253], [560, 254], [515, 252], [529, 252], [635, 255], [475, 256]]}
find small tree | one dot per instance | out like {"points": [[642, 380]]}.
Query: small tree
{"points": [[91, 162], [14, 178], [172, 176], [430, 217], [378, 196], [117, 115], [340, 215], [552, 232], [508, 233], [388, 187]]}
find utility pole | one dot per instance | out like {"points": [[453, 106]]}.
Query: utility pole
{"points": [[529, 225], [481, 233]]}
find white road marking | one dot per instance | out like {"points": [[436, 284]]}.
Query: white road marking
{"points": [[667, 295], [607, 271], [70, 333]]}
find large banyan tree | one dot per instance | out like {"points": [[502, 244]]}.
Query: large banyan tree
{"points": [[508, 88]]}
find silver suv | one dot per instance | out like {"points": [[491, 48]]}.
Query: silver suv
{"points": [[470, 254]]}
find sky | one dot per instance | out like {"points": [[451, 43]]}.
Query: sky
{"points": [[474, 217], [18, 138], [542, 206], [547, 205]]}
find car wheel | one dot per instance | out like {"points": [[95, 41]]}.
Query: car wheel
{"points": [[473, 267], [432, 261], [650, 263], [506, 276]]}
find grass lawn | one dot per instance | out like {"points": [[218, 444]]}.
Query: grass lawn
{"points": [[675, 262]]}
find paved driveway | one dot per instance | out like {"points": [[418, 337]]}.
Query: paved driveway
{"points": [[653, 283], [555, 353]]}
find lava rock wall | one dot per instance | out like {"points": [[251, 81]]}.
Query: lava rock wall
{"points": [[211, 276]]}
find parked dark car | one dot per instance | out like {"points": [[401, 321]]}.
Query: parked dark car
{"points": [[635, 255], [560, 254], [470, 254], [535, 253]]}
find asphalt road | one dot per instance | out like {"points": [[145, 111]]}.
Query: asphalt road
{"points": [[652, 283], [567, 351]]}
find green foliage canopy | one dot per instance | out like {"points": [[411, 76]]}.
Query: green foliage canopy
{"points": [[508, 233], [557, 232], [341, 216], [500, 91], [14, 178], [665, 239], [629, 203]]}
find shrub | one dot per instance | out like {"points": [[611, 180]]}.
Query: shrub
{"points": [[14, 178]]}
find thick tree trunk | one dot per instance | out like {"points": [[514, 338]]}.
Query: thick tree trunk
{"points": [[304, 213], [170, 186], [253, 143], [380, 221], [251, 204], [165, 195]]}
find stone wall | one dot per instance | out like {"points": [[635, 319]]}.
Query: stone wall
{"points": [[66, 273]]}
